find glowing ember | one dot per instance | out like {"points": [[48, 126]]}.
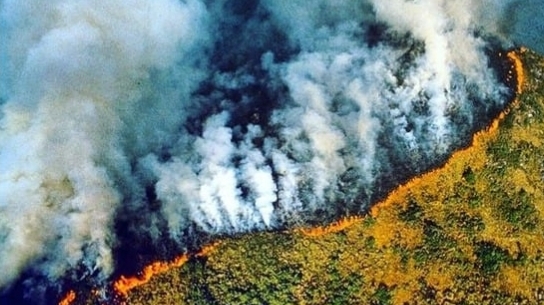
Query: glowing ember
{"points": [[332, 228], [69, 298], [518, 65], [207, 249], [124, 284]]}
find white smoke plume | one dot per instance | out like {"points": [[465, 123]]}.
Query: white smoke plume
{"points": [[169, 119]]}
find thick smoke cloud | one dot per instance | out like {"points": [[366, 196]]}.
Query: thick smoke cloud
{"points": [[167, 119], [81, 86]]}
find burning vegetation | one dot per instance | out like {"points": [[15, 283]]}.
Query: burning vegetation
{"points": [[469, 231]]}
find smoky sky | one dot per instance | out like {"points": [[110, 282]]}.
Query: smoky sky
{"points": [[166, 119]]}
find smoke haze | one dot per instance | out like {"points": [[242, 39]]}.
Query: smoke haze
{"points": [[166, 120]]}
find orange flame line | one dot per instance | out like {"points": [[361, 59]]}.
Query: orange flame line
{"points": [[206, 250], [125, 284], [68, 298], [518, 66], [334, 227]]}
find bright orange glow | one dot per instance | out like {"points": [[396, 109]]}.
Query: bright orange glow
{"points": [[124, 284], [518, 66], [207, 250], [334, 227], [69, 298]]}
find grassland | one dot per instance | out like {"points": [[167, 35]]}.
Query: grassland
{"points": [[471, 232]]}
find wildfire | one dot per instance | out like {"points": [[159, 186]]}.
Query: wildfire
{"points": [[69, 298], [478, 141], [334, 227], [204, 251], [518, 67], [124, 284]]}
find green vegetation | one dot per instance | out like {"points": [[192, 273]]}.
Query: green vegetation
{"points": [[471, 232]]}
